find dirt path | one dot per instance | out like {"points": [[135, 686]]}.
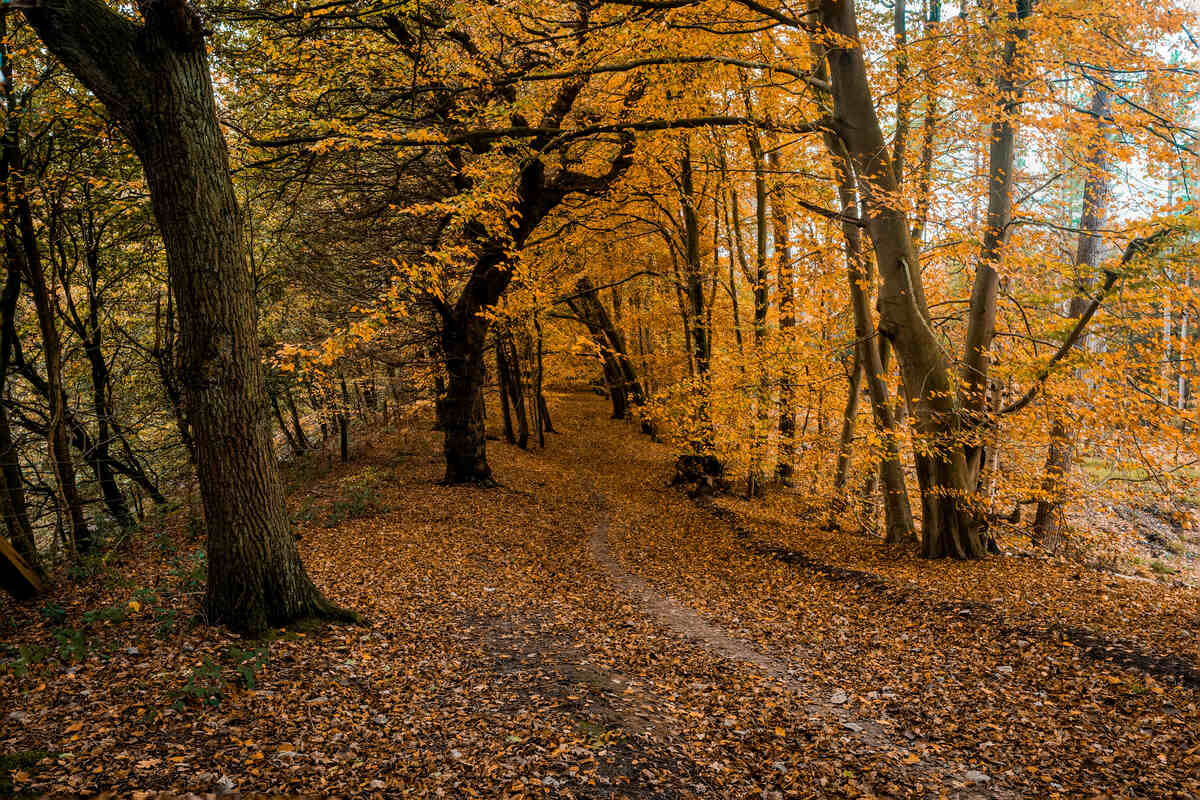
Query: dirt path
{"points": [[685, 622], [584, 631]]}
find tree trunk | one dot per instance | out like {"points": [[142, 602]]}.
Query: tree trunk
{"points": [[1096, 195], [24, 254], [287, 433], [952, 527], [462, 410], [301, 438], [502, 390], [898, 521], [92, 337], [512, 384], [12, 482], [154, 80], [762, 397], [981, 327], [343, 422], [786, 282], [846, 440], [624, 386]]}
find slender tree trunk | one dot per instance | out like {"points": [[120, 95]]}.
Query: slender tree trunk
{"points": [[287, 433], [1047, 522], [92, 337], [755, 479], [981, 325], [513, 383], [785, 276], [24, 251], [343, 422], [698, 328], [543, 414], [624, 386], [12, 491], [846, 440], [301, 438], [502, 390]]}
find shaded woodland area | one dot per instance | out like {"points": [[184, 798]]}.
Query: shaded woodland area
{"points": [[613, 398]]}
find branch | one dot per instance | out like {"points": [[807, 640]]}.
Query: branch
{"points": [[668, 60], [568, 298], [97, 45], [1136, 249]]}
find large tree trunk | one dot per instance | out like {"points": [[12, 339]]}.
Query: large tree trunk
{"points": [[951, 526], [154, 80]]}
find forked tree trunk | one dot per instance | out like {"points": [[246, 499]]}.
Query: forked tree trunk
{"points": [[154, 80], [951, 526]]}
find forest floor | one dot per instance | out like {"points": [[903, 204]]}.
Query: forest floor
{"points": [[585, 631]]}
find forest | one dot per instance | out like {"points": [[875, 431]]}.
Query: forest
{"points": [[600, 399]]}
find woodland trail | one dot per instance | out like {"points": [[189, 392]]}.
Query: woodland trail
{"points": [[586, 631]]}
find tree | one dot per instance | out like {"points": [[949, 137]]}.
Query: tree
{"points": [[154, 79]]}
